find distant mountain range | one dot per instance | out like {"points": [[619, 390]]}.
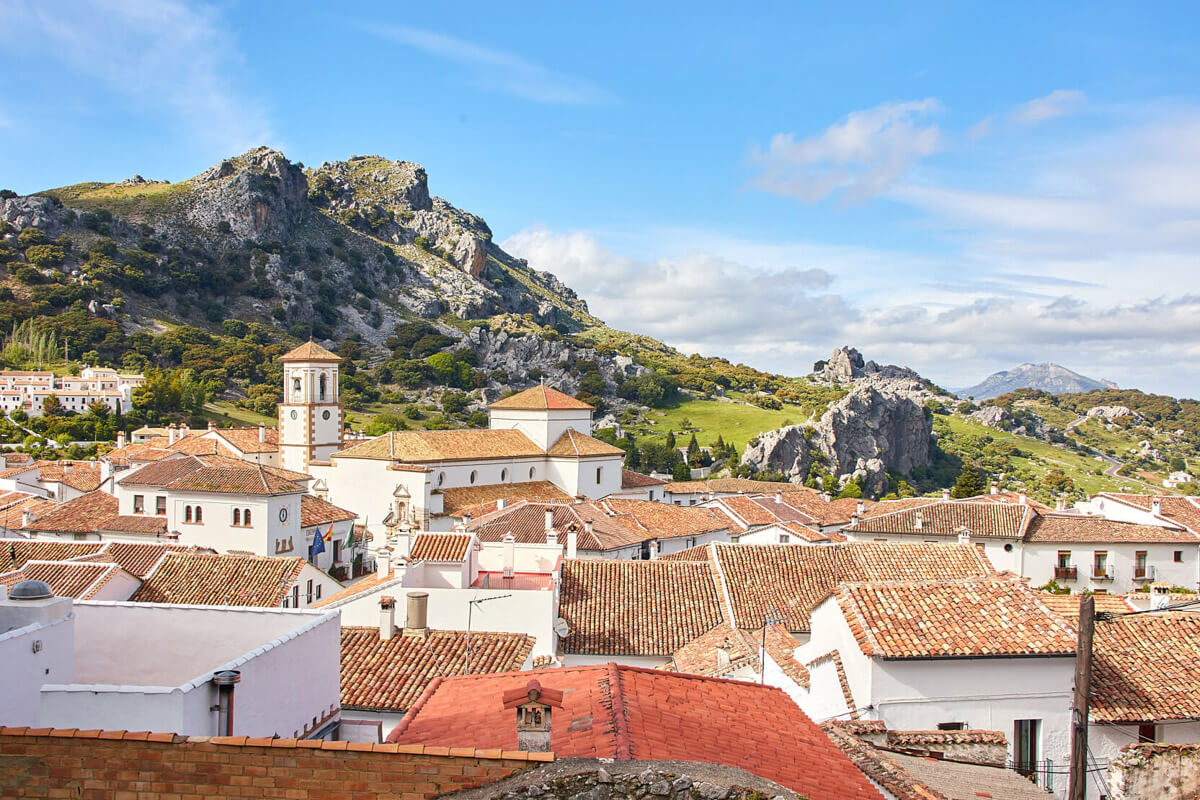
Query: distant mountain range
{"points": [[1052, 378]]}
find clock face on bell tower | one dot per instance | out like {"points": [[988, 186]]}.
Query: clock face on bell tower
{"points": [[310, 416]]}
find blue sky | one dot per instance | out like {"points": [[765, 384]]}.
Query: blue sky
{"points": [[958, 187]]}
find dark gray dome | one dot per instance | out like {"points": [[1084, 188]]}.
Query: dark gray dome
{"points": [[31, 590]]}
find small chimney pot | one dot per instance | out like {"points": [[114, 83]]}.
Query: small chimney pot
{"points": [[418, 614], [387, 617]]}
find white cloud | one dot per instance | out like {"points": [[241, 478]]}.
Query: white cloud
{"points": [[165, 56], [856, 158], [1056, 104], [496, 70]]}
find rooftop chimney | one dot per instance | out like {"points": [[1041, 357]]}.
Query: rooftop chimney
{"points": [[945, 494], [418, 614], [500, 504], [225, 680], [262, 431], [860, 508], [551, 536], [171, 433], [1160, 595], [1156, 505], [919, 522], [27, 518], [995, 488], [1061, 504], [383, 561], [653, 549], [549, 520], [779, 497], [120, 438], [534, 709], [212, 426], [1021, 498], [572, 540], [510, 554], [387, 617]]}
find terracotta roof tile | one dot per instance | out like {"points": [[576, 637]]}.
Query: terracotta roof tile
{"points": [[1182, 510], [78, 579], [139, 558], [222, 580], [310, 351], [1145, 668], [361, 586], [315, 511], [215, 474], [611, 711], [789, 580], [82, 476], [416, 447], [246, 439], [1080, 528], [636, 607], [952, 619], [462, 498], [1067, 605], [541, 398], [391, 675], [574, 444], [85, 514], [717, 653], [948, 518], [13, 506], [636, 480], [441, 547]]}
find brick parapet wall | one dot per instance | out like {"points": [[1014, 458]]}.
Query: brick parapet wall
{"points": [[106, 765]]}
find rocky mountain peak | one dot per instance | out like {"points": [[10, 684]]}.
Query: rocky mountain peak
{"points": [[847, 365], [260, 194]]}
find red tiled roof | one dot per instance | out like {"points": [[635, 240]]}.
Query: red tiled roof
{"points": [[221, 580], [85, 514], [789, 580], [1183, 510], [440, 547], [636, 480], [246, 439], [666, 520], [13, 506], [541, 398], [948, 518], [361, 586], [463, 498], [1145, 668], [717, 653], [215, 474], [132, 523], [620, 712], [82, 476], [952, 619], [315, 511], [573, 444], [78, 579], [310, 351], [1067, 605], [636, 607], [390, 675], [417, 447], [1080, 528]]}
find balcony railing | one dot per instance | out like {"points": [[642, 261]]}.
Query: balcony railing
{"points": [[1103, 573], [1066, 573], [1145, 573]]}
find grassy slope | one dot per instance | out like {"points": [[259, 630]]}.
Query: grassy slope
{"points": [[1041, 457], [734, 422]]}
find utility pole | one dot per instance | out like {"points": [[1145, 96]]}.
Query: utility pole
{"points": [[1079, 708]]}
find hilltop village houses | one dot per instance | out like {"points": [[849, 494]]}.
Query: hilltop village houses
{"points": [[514, 590]]}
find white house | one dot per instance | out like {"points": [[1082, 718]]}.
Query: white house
{"points": [[537, 435], [980, 653], [198, 671]]}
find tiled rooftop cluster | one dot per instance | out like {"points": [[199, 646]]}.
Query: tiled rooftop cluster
{"points": [[625, 713]]}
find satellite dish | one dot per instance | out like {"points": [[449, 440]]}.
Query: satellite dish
{"points": [[561, 628]]}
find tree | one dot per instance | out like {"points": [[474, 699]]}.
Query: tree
{"points": [[52, 407], [1178, 464], [851, 489], [681, 472], [693, 448], [671, 439], [1058, 482], [970, 482]]}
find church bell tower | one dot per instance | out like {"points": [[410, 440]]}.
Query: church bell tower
{"points": [[310, 416]]}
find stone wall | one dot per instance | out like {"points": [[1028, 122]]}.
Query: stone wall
{"points": [[1155, 772]]}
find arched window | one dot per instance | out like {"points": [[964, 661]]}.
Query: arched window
{"points": [[237, 516], [187, 513], [246, 517], [473, 476], [323, 382], [199, 514], [296, 385], [532, 472], [441, 478], [503, 475]]}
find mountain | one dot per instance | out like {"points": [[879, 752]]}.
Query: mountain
{"points": [[1047, 377]]}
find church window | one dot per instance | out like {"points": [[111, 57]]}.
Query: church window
{"points": [[323, 383]]}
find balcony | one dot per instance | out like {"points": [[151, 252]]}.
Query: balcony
{"points": [[1145, 573], [1103, 573], [1066, 573]]}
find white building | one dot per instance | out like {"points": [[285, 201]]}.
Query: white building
{"points": [[310, 416], [537, 435], [977, 654], [28, 391], [68, 665]]}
